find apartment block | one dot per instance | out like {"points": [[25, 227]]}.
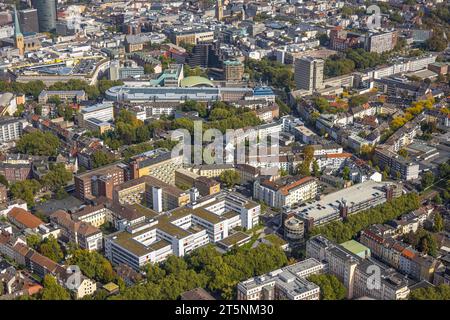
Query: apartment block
{"points": [[407, 169], [83, 234], [157, 163], [10, 129], [286, 191], [309, 73], [76, 95], [99, 182], [152, 192]]}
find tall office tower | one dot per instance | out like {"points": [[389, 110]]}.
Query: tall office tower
{"points": [[219, 10], [200, 55], [309, 73], [46, 10], [18, 36], [28, 19]]}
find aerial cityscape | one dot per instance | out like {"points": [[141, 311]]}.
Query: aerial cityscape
{"points": [[224, 150]]}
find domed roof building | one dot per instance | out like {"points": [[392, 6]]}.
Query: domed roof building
{"points": [[196, 81]]}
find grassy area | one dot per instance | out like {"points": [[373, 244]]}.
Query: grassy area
{"points": [[275, 240]]}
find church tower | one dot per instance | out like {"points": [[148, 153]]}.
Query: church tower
{"points": [[219, 10], [18, 36]]}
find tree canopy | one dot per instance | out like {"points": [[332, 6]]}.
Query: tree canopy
{"points": [[39, 144], [330, 286], [206, 268]]}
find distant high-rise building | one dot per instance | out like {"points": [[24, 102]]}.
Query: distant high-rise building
{"points": [[309, 73], [46, 10], [219, 10], [28, 19]]}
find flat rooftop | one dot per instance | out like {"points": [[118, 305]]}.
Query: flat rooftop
{"points": [[329, 204]]}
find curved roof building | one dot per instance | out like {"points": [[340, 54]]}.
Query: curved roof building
{"points": [[196, 81]]}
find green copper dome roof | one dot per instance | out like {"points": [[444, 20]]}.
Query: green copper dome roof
{"points": [[194, 81]]}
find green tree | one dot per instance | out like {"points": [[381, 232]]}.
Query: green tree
{"points": [[316, 169], [25, 190], [38, 143], [101, 158], [33, 241], [346, 173], [427, 180], [438, 222], [57, 177], [51, 249], [230, 178], [3, 180], [330, 286], [441, 292], [93, 265], [52, 290]]}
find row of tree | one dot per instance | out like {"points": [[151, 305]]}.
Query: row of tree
{"points": [[205, 268], [339, 232]]}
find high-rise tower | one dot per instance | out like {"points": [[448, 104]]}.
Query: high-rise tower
{"points": [[46, 10], [219, 10]]}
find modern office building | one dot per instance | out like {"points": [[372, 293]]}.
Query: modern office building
{"points": [[309, 73], [340, 204], [148, 237], [339, 261], [28, 19], [288, 283], [46, 10], [103, 112]]}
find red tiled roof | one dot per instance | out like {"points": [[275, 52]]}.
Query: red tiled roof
{"points": [[25, 218]]}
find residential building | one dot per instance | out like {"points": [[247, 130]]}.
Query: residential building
{"points": [[309, 73], [24, 219], [285, 191], [150, 191], [407, 169], [75, 95], [381, 42], [157, 163], [85, 235], [98, 182], [10, 129]]}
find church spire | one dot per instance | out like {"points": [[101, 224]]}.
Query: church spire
{"points": [[16, 24], [18, 36]]}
